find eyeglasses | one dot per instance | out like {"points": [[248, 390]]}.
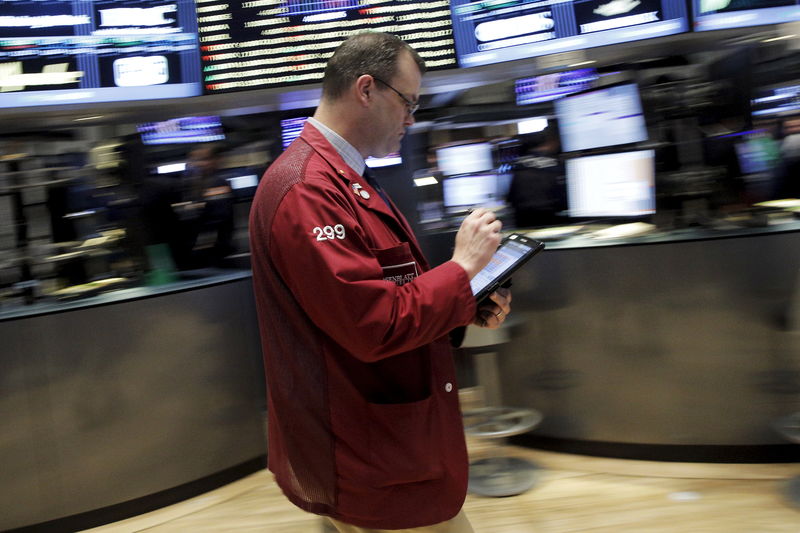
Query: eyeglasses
{"points": [[411, 107]]}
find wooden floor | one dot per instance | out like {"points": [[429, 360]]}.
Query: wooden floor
{"points": [[573, 494]]}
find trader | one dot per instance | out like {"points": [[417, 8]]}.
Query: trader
{"points": [[364, 420]]}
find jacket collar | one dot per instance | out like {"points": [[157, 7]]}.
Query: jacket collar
{"points": [[358, 185], [366, 195]]}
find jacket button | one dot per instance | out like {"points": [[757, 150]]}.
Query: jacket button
{"points": [[448, 387]]}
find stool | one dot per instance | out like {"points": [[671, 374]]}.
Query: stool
{"points": [[789, 427], [499, 474]]}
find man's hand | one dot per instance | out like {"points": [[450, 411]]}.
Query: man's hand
{"points": [[476, 241], [491, 315]]}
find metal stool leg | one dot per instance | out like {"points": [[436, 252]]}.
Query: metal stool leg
{"points": [[792, 491], [789, 427], [499, 474]]}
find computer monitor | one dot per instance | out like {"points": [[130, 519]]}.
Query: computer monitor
{"points": [[727, 14], [463, 192], [609, 116], [182, 130], [465, 158], [291, 129], [776, 101], [54, 52], [491, 32], [273, 43], [388, 160], [757, 153], [611, 185], [547, 87]]}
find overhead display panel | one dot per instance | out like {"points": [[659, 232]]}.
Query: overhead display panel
{"points": [[258, 44], [726, 14], [491, 32], [87, 51]]}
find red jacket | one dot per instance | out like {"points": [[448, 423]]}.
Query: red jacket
{"points": [[364, 421]]}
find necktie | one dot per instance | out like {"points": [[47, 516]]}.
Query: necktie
{"points": [[375, 185]]}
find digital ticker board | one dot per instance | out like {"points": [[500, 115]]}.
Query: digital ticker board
{"points": [[258, 44]]}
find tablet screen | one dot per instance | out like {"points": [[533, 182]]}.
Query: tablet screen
{"points": [[504, 259]]}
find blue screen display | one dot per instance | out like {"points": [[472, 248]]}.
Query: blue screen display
{"points": [[726, 14], [55, 52], [491, 32]]}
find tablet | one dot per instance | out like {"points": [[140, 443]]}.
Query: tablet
{"points": [[514, 251]]}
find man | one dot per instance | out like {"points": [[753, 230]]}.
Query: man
{"points": [[364, 421]]}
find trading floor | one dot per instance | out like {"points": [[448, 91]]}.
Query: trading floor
{"points": [[574, 493]]}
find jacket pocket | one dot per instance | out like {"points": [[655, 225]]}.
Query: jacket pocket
{"points": [[398, 264], [404, 443]]}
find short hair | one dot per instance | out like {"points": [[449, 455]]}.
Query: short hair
{"points": [[372, 53]]}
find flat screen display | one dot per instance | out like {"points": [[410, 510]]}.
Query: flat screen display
{"points": [[388, 160], [468, 191], [609, 116], [269, 43], [612, 185], [57, 52], [182, 130], [553, 86], [291, 129], [757, 152], [465, 158], [776, 101], [726, 14], [491, 32]]}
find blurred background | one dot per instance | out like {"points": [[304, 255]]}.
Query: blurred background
{"points": [[142, 178]]}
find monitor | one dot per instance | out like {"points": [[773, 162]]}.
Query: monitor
{"points": [[388, 160], [182, 130], [263, 44], [608, 116], [727, 14], [291, 129], [757, 152], [465, 158], [774, 101], [463, 192], [491, 32], [547, 87], [611, 185], [54, 52]]}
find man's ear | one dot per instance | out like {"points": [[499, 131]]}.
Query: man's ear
{"points": [[363, 88]]}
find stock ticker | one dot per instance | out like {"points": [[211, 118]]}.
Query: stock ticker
{"points": [[258, 44]]}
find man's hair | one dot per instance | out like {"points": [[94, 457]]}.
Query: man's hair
{"points": [[370, 53]]}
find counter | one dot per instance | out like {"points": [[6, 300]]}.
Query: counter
{"points": [[684, 343], [119, 397], [679, 345]]}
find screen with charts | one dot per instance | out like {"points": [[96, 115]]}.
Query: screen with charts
{"points": [[182, 130], [501, 261], [465, 158], [87, 51], [726, 14], [258, 44], [609, 116], [463, 192], [612, 185], [548, 87], [491, 32], [291, 129], [773, 101], [757, 152]]}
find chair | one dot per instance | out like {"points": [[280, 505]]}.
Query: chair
{"points": [[499, 474], [789, 427]]}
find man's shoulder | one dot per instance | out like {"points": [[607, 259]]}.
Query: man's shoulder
{"points": [[300, 165]]}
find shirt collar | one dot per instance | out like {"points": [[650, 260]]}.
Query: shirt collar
{"points": [[346, 151]]}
